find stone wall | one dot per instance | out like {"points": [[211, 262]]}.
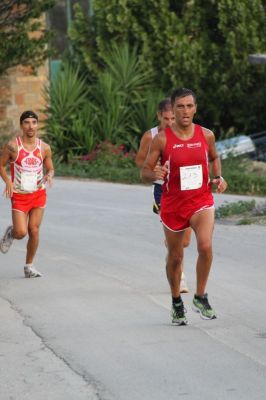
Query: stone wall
{"points": [[20, 90]]}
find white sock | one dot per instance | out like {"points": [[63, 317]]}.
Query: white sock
{"points": [[29, 265]]}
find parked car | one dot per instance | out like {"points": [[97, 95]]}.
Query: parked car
{"points": [[236, 146], [259, 140]]}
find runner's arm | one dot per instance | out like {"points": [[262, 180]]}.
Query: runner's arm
{"points": [[151, 170], [215, 162], [5, 156], [144, 148], [48, 165]]}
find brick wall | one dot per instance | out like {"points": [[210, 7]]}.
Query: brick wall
{"points": [[20, 90]]}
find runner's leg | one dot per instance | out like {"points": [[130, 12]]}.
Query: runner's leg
{"points": [[187, 237], [174, 260], [202, 223], [35, 219], [20, 220]]}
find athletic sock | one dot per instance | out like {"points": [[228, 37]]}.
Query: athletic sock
{"points": [[176, 300]]}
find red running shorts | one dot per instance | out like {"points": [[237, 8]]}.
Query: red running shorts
{"points": [[178, 221], [26, 202]]}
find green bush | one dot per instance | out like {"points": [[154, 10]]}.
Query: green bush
{"points": [[199, 44], [240, 180], [121, 89], [119, 106], [106, 162], [236, 208], [70, 118]]}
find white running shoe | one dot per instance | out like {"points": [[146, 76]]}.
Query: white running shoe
{"points": [[6, 240], [31, 272], [183, 285]]}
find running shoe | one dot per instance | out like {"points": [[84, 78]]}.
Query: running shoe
{"points": [[201, 305], [31, 272], [183, 285], [178, 314], [6, 240]]}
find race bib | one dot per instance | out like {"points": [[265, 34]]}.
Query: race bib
{"points": [[29, 181], [191, 177]]}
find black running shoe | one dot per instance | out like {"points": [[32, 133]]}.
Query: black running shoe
{"points": [[178, 314]]}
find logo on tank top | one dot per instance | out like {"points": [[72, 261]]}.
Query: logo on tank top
{"points": [[177, 146], [30, 162], [193, 145]]}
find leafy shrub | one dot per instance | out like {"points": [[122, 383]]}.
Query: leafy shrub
{"points": [[240, 178], [109, 154], [106, 162], [69, 124], [121, 88], [236, 208], [113, 107]]}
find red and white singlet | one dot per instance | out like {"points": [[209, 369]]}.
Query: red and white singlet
{"points": [[27, 169], [187, 187]]}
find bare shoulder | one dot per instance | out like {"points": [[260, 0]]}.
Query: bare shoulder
{"points": [[161, 135], [9, 151], [45, 146], [11, 146], [46, 149], [159, 140], [147, 136], [209, 135]]}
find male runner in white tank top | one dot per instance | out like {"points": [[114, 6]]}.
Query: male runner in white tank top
{"points": [[27, 155], [166, 118]]}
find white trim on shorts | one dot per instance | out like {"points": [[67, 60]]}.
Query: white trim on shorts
{"points": [[180, 230], [26, 212], [172, 230], [203, 208], [14, 209]]}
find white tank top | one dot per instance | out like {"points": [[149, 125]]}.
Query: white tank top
{"points": [[154, 132], [27, 169]]}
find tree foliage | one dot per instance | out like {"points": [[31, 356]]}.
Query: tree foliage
{"points": [[23, 38], [200, 44]]}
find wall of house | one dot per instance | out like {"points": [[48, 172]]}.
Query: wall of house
{"points": [[21, 90]]}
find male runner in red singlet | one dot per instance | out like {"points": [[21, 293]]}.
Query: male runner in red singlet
{"points": [[166, 118], [27, 156], [185, 151]]}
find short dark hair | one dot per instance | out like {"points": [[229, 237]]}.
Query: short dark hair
{"points": [[28, 114], [165, 105], [182, 92]]}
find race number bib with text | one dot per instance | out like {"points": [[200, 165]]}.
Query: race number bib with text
{"points": [[29, 181], [191, 177]]}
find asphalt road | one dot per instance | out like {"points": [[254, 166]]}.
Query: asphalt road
{"points": [[97, 325]]}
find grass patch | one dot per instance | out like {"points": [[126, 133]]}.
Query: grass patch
{"points": [[242, 212], [244, 221], [241, 178], [236, 208]]}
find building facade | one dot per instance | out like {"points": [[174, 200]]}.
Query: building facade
{"points": [[22, 90]]}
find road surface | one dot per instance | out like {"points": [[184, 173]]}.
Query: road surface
{"points": [[97, 325]]}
